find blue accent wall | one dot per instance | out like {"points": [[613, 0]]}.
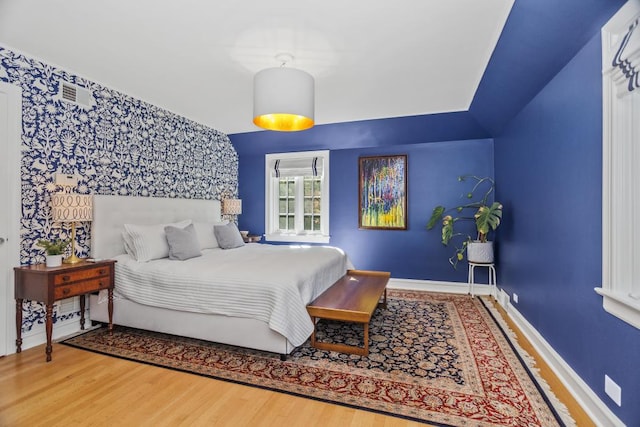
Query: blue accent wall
{"points": [[548, 164], [364, 134], [433, 168], [538, 39]]}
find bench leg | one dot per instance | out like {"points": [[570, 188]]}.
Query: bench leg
{"points": [[366, 339], [343, 348], [383, 304], [313, 334]]}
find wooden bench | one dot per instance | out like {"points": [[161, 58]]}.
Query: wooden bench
{"points": [[353, 298]]}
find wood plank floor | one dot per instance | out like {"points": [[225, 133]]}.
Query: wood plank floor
{"points": [[83, 388]]}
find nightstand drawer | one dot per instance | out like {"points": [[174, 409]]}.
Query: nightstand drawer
{"points": [[73, 276], [71, 290]]}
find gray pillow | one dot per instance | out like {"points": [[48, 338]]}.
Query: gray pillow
{"points": [[183, 242], [228, 236]]}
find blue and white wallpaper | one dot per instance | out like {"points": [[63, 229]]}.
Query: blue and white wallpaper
{"points": [[120, 145]]}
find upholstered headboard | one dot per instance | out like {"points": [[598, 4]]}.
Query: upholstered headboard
{"points": [[110, 213]]}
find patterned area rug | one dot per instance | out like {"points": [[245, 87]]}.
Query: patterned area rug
{"points": [[439, 358]]}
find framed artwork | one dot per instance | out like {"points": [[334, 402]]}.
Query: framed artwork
{"points": [[382, 192]]}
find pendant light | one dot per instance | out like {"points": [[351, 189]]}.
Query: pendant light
{"points": [[283, 98]]}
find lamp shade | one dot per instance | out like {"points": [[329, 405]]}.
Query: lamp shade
{"points": [[283, 99], [231, 207], [69, 207]]}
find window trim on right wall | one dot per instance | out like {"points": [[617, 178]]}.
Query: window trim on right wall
{"points": [[620, 156]]}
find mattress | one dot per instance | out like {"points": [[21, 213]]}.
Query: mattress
{"points": [[271, 283]]}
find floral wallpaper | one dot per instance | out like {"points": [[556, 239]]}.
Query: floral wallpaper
{"points": [[118, 145]]}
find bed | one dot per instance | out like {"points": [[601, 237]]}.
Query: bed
{"points": [[253, 296]]}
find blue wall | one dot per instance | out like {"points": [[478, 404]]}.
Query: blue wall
{"points": [[548, 165], [433, 169], [416, 253]]}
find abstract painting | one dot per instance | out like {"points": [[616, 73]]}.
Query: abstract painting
{"points": [[382, 194]]}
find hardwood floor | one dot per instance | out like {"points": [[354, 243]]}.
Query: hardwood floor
{"points": [[83, 388]]}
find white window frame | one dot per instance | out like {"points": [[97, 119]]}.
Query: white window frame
{"points": [[271, 225], [620, 176]]}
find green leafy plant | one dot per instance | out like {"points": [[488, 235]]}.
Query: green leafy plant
{"points": [[486, 217], [56, 247]]}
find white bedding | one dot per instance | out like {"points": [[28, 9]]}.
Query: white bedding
{"points": [[265, 282]]}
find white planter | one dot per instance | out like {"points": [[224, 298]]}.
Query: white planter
{"points": [[54, 260], [480, 252]]}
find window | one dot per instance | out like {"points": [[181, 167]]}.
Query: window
{"points": [[297, 197], [620, 173]]}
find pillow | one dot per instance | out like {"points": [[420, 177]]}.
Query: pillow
{"points": [[183, 242], [228, 236], [128, 245], [150, 241], [207, 238]]}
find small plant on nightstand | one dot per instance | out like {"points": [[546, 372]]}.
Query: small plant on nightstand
{"points": [[54, 250]]}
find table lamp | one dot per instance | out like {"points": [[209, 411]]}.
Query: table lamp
{"points": [[231, 207], [70, 207]]}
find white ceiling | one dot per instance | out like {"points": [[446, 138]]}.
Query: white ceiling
{"points": [[370, 58]]}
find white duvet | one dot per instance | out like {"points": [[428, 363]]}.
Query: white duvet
{"points": [[266, 282]]}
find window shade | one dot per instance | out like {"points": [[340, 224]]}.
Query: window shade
{"points": [[310, 166]]}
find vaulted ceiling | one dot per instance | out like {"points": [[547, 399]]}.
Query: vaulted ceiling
{"points": [[371, 59]]}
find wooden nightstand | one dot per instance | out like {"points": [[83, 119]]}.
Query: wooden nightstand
{"points": [[252, 238], [50, 284]]}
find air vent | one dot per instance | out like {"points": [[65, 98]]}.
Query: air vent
{"points": [[76, 95], [69, 92]]}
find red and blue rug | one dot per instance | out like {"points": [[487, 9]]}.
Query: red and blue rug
{"points": [[436, 358]]}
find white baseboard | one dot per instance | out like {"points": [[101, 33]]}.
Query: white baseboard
{"points": [[436, 286], [600, 414], [38, 336]]}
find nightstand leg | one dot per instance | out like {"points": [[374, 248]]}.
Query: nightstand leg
{"points": [[110, 309], [49, 328], [18, 325], [82, 304]]}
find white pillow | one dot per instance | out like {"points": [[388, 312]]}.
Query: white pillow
{"points": [[206, 236], [128, 245], [149, 242]]}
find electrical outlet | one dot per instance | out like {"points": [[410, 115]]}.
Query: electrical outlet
{"points": [[515, 297], [613, 390]]}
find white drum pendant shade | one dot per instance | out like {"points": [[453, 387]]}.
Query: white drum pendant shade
{"points": [[283, 99]]}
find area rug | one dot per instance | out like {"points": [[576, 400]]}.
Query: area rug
{"points": [[436, 358]]}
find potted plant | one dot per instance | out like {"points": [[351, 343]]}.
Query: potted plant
{"points": [[54, 250], [485, 214]]}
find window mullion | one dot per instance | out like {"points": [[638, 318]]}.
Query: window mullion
{"points": [[299, 205], [274, 196]]}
